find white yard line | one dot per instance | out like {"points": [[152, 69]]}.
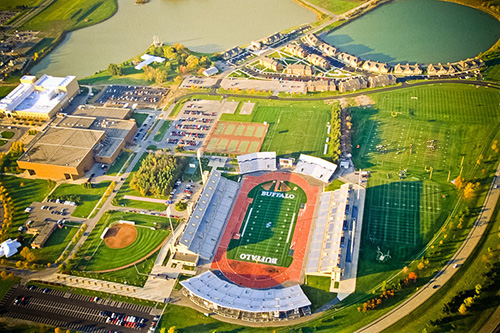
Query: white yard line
{"points": [[246, 222], [290, 230]]}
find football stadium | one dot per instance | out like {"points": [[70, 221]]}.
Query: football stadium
{"points": [[253, 241]]}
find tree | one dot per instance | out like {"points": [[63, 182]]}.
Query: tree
{"points": [[462, 309], [58, 330], [172, 329], [459, 182], [470, 190], [468, 302], [114, 69], [478, 288]]}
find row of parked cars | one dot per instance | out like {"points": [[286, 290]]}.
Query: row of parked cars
{"points": [[122, 319]]}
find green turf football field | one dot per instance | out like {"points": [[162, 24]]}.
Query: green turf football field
{"points": [[268, 226]]}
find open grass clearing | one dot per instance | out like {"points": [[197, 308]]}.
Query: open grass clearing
{"points": [[337, 6], [62, 16], [89, 196], [118, 164], [162, 131], [139, 118], [317, 290], [55, 245]]}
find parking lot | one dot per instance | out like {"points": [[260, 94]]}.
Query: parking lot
{"points": [[135, 97], [194, 124], [76, 312]]}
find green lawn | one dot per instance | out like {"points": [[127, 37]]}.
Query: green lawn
{"points": [[23, 192], [63, 16], [162, 131], [139, 118], [147, 240], [89, 196], [468, 276], [54, 246], [187, 320], [6, 284], [13, 4], [337, 6], [5, 90], [269, 225], [103, 77], [7, 134], [118, 164], [294, 127], [317, 289]]}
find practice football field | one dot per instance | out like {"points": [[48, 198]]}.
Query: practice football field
{"points": [[266, 232]]}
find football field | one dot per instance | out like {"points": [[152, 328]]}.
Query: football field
{"points": [[266, 231]]}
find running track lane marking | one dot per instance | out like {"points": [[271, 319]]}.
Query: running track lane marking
{"points": [[246, 222], [290, 230]]}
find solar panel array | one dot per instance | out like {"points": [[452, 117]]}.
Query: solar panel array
{"points": [[225, 294], [328, 240], [263, 161], [207, 221], [315, 167]]}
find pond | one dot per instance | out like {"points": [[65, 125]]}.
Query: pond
{"points": [[203, 26], [422, 31]]}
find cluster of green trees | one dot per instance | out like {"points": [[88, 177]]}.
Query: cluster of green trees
{"points": [[157, 174], [114, 69], [7, 212], [335, 132], [8, 160]]}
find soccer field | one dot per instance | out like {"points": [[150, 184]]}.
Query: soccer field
{"points": [[294, 127], [267, 230]]}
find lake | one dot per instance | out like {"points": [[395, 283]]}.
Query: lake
{"points": [[201, 25], [422, 31]]}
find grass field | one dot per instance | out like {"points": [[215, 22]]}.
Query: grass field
{"points": [[337, 6], [12, 4], [294, 127], [139, 118], [269, 223], [162, 131], [147, 240], [118, 164], [54, 246], [23, 192], [61, 15], [89, 196], [317, 290]]}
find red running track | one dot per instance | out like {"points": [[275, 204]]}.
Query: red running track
{"points": [[254, 275]]}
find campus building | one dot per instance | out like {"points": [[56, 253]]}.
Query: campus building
{"points": [[252, 305], [72, 144], [271, 64], [296, 50], [320, 85], [376, 67], [352, 84], [381, 80], [348, 59], [42, 230], [231, 53], [327, 49], [312, 40], [262, 161], [319, 61], [441, 69], [407, 69], [41, 98], [315, 167], [299, 69]]}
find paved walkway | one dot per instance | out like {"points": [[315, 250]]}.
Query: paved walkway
{"points": [[423, 294]]}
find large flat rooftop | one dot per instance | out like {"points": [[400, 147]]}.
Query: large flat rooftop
{"points": [[62, 146]]}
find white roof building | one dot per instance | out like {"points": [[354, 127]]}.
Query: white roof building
{"points": [[9, 248], [263, 161], [40, 98], [206, 224], [148, 58], [210, 71], [221, 293], [315, 167]]}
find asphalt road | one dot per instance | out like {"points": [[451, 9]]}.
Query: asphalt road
{"points": [[448, 270], [71, 311]]}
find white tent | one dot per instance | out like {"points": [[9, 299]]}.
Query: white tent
{"points": [[9, 248]]}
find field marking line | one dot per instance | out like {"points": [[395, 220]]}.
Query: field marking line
{"points": [[246, 223], [290, 230]]}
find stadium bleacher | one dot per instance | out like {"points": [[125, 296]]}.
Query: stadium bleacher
{"points": [[328, 252], [208, 219], [231, 300], [315, 167], [263, 161]]}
